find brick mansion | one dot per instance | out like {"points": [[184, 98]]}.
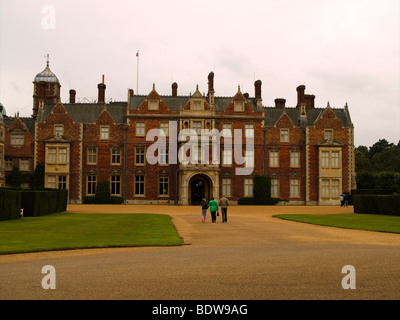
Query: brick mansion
{"points": [[307, 151]]}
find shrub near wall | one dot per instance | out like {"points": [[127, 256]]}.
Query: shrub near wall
{"points": [[10, 204], [103, 195], [377, 204], [262, 193]]}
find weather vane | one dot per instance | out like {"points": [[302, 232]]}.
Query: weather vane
{"points": [[47, 56]]}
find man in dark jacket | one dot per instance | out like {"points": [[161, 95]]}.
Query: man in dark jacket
{"points": [[224, 203]]}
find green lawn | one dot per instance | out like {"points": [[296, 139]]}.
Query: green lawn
{"points": [[62, 231], [369, 222]]}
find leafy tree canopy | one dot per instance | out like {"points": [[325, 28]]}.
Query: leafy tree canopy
{"points": [[381, 156]]}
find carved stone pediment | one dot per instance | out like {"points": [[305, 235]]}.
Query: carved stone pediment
{"points": [[57, 139], [330, 143]]}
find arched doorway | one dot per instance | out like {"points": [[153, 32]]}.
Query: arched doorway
{"points": [[199, 188]]}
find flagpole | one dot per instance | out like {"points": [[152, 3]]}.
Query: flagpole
{"points": [[137, 80]]}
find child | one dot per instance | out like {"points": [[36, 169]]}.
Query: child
{"points": [[204, 207]]}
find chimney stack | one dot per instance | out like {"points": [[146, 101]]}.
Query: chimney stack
{"points": [[211, 82], [102, 92], [174, 89], [257, 86], [300, 94], [310, 101], [211, 91], [280, 103], [72, 95]]}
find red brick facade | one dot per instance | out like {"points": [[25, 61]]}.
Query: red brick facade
{"points": [[307, 151]]}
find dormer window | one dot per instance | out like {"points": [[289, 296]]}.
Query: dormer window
{"points": [[58, 130], [104, 132], [17, 139], [238, 106], [328, 134], [154, 104], [284, 136]]}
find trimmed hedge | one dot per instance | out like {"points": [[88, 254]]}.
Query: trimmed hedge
{"points": [[43, 202], [34, 202], [10, 204], [377, 204], [370, 191], [246, 201], [109, 200], [367, 191]]}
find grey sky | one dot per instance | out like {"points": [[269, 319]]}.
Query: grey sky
{"points": [[343, 51]]}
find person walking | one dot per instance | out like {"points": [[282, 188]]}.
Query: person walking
{"points": [[346, 200], [224, 203], [204, 207], [213, 205], [341, 200]]}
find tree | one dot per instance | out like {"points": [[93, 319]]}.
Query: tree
{"points": [[15, 178], [262, 189], [387, 181], [366, 180], [379, 146], [102, 192], [363, 150], [38, 177], [362, 161], [387, 160]]}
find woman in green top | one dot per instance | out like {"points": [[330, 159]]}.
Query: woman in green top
{"points": [[213, 205]]}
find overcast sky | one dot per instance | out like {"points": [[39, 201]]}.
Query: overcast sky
{"points": [[342, 51]]}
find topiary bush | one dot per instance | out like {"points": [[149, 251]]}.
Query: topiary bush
{"points": [[103, 195]]}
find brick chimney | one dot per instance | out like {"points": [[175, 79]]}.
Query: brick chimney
{"points": [[174, 89], [257, 86], [280, 103], [310, 101], [102, 92], [72, 95], [211, 82], [211, 91], [300, 95]]}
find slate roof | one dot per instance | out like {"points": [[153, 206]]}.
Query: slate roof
{"points": [[272, 115], [29, 123], [88, 112], [174, 103]]}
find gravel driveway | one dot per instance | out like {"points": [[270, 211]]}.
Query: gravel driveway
{"points": [[252, 257]]}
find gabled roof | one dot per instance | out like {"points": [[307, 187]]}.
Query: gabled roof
{"points": [[88, 112], [29, 123], [273, 114], [174, 103]]}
